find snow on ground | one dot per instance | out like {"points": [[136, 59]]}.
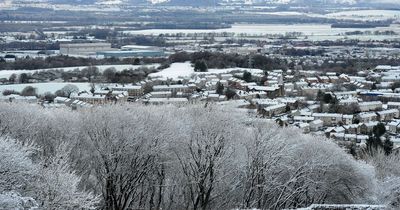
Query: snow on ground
{"points": [[185, 70], [8, 73], [44, 87], [366, 14], [175, 71]]}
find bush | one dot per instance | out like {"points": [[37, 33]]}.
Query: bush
{"points": [[29, 91], [10, 92]]}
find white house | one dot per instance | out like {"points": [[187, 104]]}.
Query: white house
{"points": [[316, 125], [328, 119], [367, 116], [387, 115], [370, 106]]}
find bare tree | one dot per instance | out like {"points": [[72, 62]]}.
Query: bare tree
{"points": [[67, 90], [203, 150], [288, 170], [124, 154], [52, 184], [388, 176], [183, 157], [57, 185]]}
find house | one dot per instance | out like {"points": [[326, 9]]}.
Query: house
{"points": [[352, 128], [334, 79], [312, 80], [160, 94], [367, 117], [173, 88], [347, 119], [10, 58], [316, 125], [301, 112], [370, 106], [88, 98], [394, 126], [354, 138], [274, 110], [388, 115], [133, 90], [348, 101], [216, 97], [362, 139], [166, 100], [272, 91], [305, 127], [323, 79], [393, 105], [303, 119], [367, 128], [336, 136], [300, 85], [263, 103], [334, 130], [328, 119]]}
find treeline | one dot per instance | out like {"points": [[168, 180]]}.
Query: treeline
{"points": [[88, 74], [30, 46], [302, 52], [227, 60], [193, 157], [68, 61]]}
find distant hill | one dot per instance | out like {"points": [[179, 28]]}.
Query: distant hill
{"points": [[372, 3]]}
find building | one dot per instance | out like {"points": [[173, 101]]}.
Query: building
{"points": [[181, 90], [316, 125], [83, 48], [329, 119], [166, 100], [370, 106], [348, 119], [367, 117], [367, 128], [130, 53], [394, 126], [388, 115], [393, 105], [271, 91], [89, 98], [160, 94], [133, 90], [274, 110], [303, 119]]}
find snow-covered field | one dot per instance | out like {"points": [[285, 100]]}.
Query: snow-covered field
{"points": [[186, 70], [262, 29], [345, 15], [366, 15], [8, 73], [175, 71], [44, 87]]}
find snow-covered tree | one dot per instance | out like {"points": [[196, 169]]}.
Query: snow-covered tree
{"points": [[203, 149], [122, 148], [285, 169], [52, 184], [388, 176], [57, 185], [17, 171], [178, 157]]}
